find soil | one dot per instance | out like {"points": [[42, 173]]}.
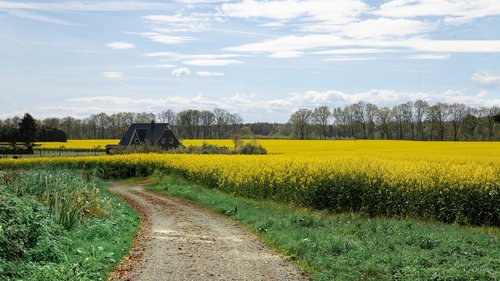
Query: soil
{"points": [[179, 241]]}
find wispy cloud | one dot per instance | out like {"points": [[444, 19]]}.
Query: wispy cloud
{"points": [[119, 45], [165, 38], [340, 59], [199, 59], [180, 23], [285, 10], [281, 108], [181, 72], [451, 9], [157, 66], [294, 43], [85, 6], [41, 18], [208, 73], [112, 75], [486, 80], [428, 57]]}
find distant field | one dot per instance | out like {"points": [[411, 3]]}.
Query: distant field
{"points": [[78, 144], [402, 150]]}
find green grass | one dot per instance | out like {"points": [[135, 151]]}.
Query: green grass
{"points": [[48, 251], [350, 247]]}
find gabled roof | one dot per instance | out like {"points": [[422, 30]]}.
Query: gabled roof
{"points": [[151, 131]]}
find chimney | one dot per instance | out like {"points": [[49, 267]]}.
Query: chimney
{"points": [[152, 126]]}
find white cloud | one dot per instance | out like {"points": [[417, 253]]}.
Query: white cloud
{"points": [[351, 51], [486, 80], [41, 18], [428, 57], [112, 75], [208, 73], [286, 54], [255, 109], [386, 28], [180, 23], [118, 45], [294, 43], [157, 66], [285, 10], [340, 59], [181, 72], [199, 59], [85, 6], [165, 39], [210, 62], [452, 9]]}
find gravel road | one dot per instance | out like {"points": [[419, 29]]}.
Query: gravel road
{"points": [[179, 241]]}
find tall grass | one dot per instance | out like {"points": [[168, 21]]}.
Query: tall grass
{"points": [[67, 194], [59, 226]]}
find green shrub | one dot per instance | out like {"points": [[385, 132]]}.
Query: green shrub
{"points": [[251, 148], [27, 234]]}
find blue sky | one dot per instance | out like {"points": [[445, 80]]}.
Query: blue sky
{"points": [[262, 59]]}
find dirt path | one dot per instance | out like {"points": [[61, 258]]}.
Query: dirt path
{"points": [[178, 241]]}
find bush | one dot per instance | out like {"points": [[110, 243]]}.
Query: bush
{"points": [[207, 149], [27, 233], [251, 148]]}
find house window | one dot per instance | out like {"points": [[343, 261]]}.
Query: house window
{"points": [[163, 141], [171, 140], [136, 141]]}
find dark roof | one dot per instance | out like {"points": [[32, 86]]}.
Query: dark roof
{"points": [[151, 131]]}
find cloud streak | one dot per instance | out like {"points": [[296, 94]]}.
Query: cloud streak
{"points": [[69, 6], [250, 107], [486, 80], [118, 45]]}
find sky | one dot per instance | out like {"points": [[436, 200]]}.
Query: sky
{"points": [[261, 59]]}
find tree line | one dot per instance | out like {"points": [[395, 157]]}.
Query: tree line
{"points": [[407, 121], [20, 134]]}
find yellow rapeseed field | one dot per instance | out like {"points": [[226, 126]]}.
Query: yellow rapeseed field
{"points": [[447, 181], [78, 144]]}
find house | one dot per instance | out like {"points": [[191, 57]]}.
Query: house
{"points": [[154, 134]]}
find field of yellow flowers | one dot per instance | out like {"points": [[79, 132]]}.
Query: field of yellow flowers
{"points": [[445, 181]]}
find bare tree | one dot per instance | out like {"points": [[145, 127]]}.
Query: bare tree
{"points": [[301, 122], [488, 114], [384, 118], [437, 115], [421, 108], [470, 123], [207, 119], [167, 116], [220, 116], [321, 117], [456, 112]]}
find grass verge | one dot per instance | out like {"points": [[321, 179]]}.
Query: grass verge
{"points": [[35, 246], [350, 247]]}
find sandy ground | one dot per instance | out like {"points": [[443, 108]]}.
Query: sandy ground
{"points": [[178, 241]]}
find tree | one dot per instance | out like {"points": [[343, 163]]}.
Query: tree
{"points": [[301, 122], [420, 111], [384, 119], [27, 131], [166, 116], [207, 120], [497, 118], [489, 114], [469, 124], [456, 112], [220, 116], [321, 116], [438, 115]]}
